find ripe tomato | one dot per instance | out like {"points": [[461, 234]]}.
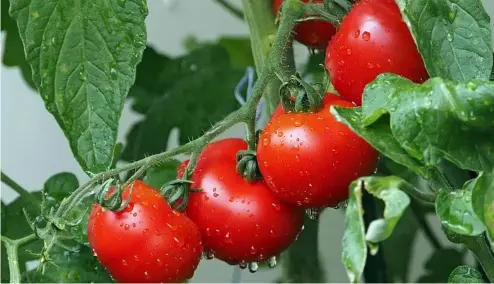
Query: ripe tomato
{"points": [[146, 242], [239, 221], [310, 159], [373, 39], [313, 33]]}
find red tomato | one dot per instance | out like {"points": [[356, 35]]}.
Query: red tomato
{"points": [[239, 221], [310, 159], [313, 33], [146, 242], [373, 39]]}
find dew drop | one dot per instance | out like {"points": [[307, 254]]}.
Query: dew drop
{"points": [[449, 36], [113, 71], [297, 123], [228, 239], [176, 213], [366, 36], [146, 275], [124, 262], [265, 141], [356, 34], [180, 242], [253, 267], [127, 227], [349, 51], [210, 255], [160, 263], [280, 134], [172, 227], [216, 194], [271, 262], [242, 264], [276, 206], [253, 250]]}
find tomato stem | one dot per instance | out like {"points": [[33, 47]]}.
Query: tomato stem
{"points": [[12, 247], [478, 245]]}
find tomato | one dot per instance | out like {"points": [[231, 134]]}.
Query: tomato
{"points": [[313, 33], [239, 221], [148, 241], [372, 39], [310, 159]]}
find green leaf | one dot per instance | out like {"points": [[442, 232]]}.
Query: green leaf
{"points": [[408, 122], [456, 212], [160, 175], [61, 185], [190, 93], [454, 37], [13, 54], [465, 274], [15, 227], [83, 56], [440, 264], [355, 240], [301, 262], [70, 267], [483, 201]]}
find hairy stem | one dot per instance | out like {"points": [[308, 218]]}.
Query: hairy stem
{"points": [[12, 247], [232, 9], [19, 189], [478, 245], [261, 21]]}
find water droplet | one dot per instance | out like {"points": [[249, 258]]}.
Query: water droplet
{"points": [[449, 36], [172, 227], [127, 227], [176, 213], [146, 275], [356, 34], [276, 206], [297, 123], [216, 194], [242, 264], [146, 231], [265, 141], [366, 36], [279, 133], [313, 213], [228, 239], [265, 163], [94, 253], [113, 72], [271, 262], [253, 250], [253, 267], [134, 225], [124, 262], [180, 242], [370, 65], [160, 263], [210, 255], [452, 14]]}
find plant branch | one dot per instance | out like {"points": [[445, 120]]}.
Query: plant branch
{"points": [[12, 247], [232, 9], [19, 189], [478, 245]]}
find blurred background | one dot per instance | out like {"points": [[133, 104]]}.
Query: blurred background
{"points": [[34, 148]]}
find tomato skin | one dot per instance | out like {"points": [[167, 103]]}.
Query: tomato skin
{"points": [[239, 221], [372, 39], [310, 159], [313, 33], [146, 242]]}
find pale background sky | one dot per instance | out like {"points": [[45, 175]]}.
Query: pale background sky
{"points": [[33, 147]]}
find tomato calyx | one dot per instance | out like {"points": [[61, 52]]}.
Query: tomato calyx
{"points": [[247, 165], [176, 192], [110, 197], [307, 99]]}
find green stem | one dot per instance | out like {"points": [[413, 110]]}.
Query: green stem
{"points": [[418, 194], [260, 18], [232, 9], [19, 189], [12, 247], [478, 245]]}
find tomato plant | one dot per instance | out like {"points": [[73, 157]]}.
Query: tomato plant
{"points": [[372, 39], [310, 159], [228, 208], [313, 33], [147, 241], [408, 81]]}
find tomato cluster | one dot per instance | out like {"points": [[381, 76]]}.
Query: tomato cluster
{"points": [[306, 159]]}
